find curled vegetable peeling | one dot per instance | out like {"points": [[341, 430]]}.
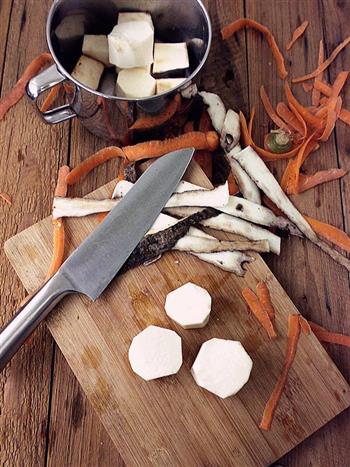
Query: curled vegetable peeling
{"points": [[231, 28]]}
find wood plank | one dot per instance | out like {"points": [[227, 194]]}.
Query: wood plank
{"points": [[313, 291], [30, 156], [74, 426], [5, 14], [182, 420]]}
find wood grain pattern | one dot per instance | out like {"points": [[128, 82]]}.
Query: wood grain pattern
{"points": [[185, 423], [30, 157], [317, 293]]}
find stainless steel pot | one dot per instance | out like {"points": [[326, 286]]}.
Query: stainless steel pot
{"points": [[99, 111]]}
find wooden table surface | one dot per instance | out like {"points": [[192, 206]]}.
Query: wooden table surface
{"points": [[45, 418]]}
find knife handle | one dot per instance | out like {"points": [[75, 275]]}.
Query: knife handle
{"points": [[28, 318]]}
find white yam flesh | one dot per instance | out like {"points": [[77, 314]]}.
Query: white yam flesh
{"points": [[247, 186], [204, 198], [231, 261], [190, 91], [216, 109], [155, 352], [231, 131], [189, 306], [243, 208], [261, 175], [235, 225], [88, 72], [79, 207], [135, 83], [167, 84], [171, 56], [129, 16], [130, 44], [96, 46], [222, 367]]}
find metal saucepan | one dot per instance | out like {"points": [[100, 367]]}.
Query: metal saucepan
{"points": [[99, 111]]}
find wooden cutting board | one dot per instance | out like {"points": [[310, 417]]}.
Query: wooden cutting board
{"points": [[172, 421]]}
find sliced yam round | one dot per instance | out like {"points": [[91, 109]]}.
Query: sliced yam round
{"points": [[222, 367], [155, 352], [189, 306]]}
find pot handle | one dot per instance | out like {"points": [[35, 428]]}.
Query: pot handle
{"points": [[42, 82]]}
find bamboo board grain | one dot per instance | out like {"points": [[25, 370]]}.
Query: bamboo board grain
{"points": [[172, 421]]}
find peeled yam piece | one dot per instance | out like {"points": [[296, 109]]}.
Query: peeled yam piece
{"points": [[126, 17], [88, 71], [96, 46], [166, 84], [216, 109], [189, 306], [131, 44], [71, 28], [155, 352], [171, 56], [222, 367], [135, 83]]}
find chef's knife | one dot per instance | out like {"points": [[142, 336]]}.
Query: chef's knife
{"points": [[93, 265]]}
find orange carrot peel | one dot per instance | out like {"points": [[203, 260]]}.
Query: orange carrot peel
{"points": [[330, 337], [264, 297], [6, 197], [58, 226], [18, 90], [150, 149], [304, 326], [290, 118], [344, 114], [297, 34], [232, 28], [306, 115], [310, 181], [315, 95], [325, 64], [149, 121], [51, 98], [259, 311], [330, 233], [292, 344], [290, 178], [271, 111], [94, 161]]}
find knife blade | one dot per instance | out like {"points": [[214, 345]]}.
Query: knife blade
{"points": [[94, 264]]}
